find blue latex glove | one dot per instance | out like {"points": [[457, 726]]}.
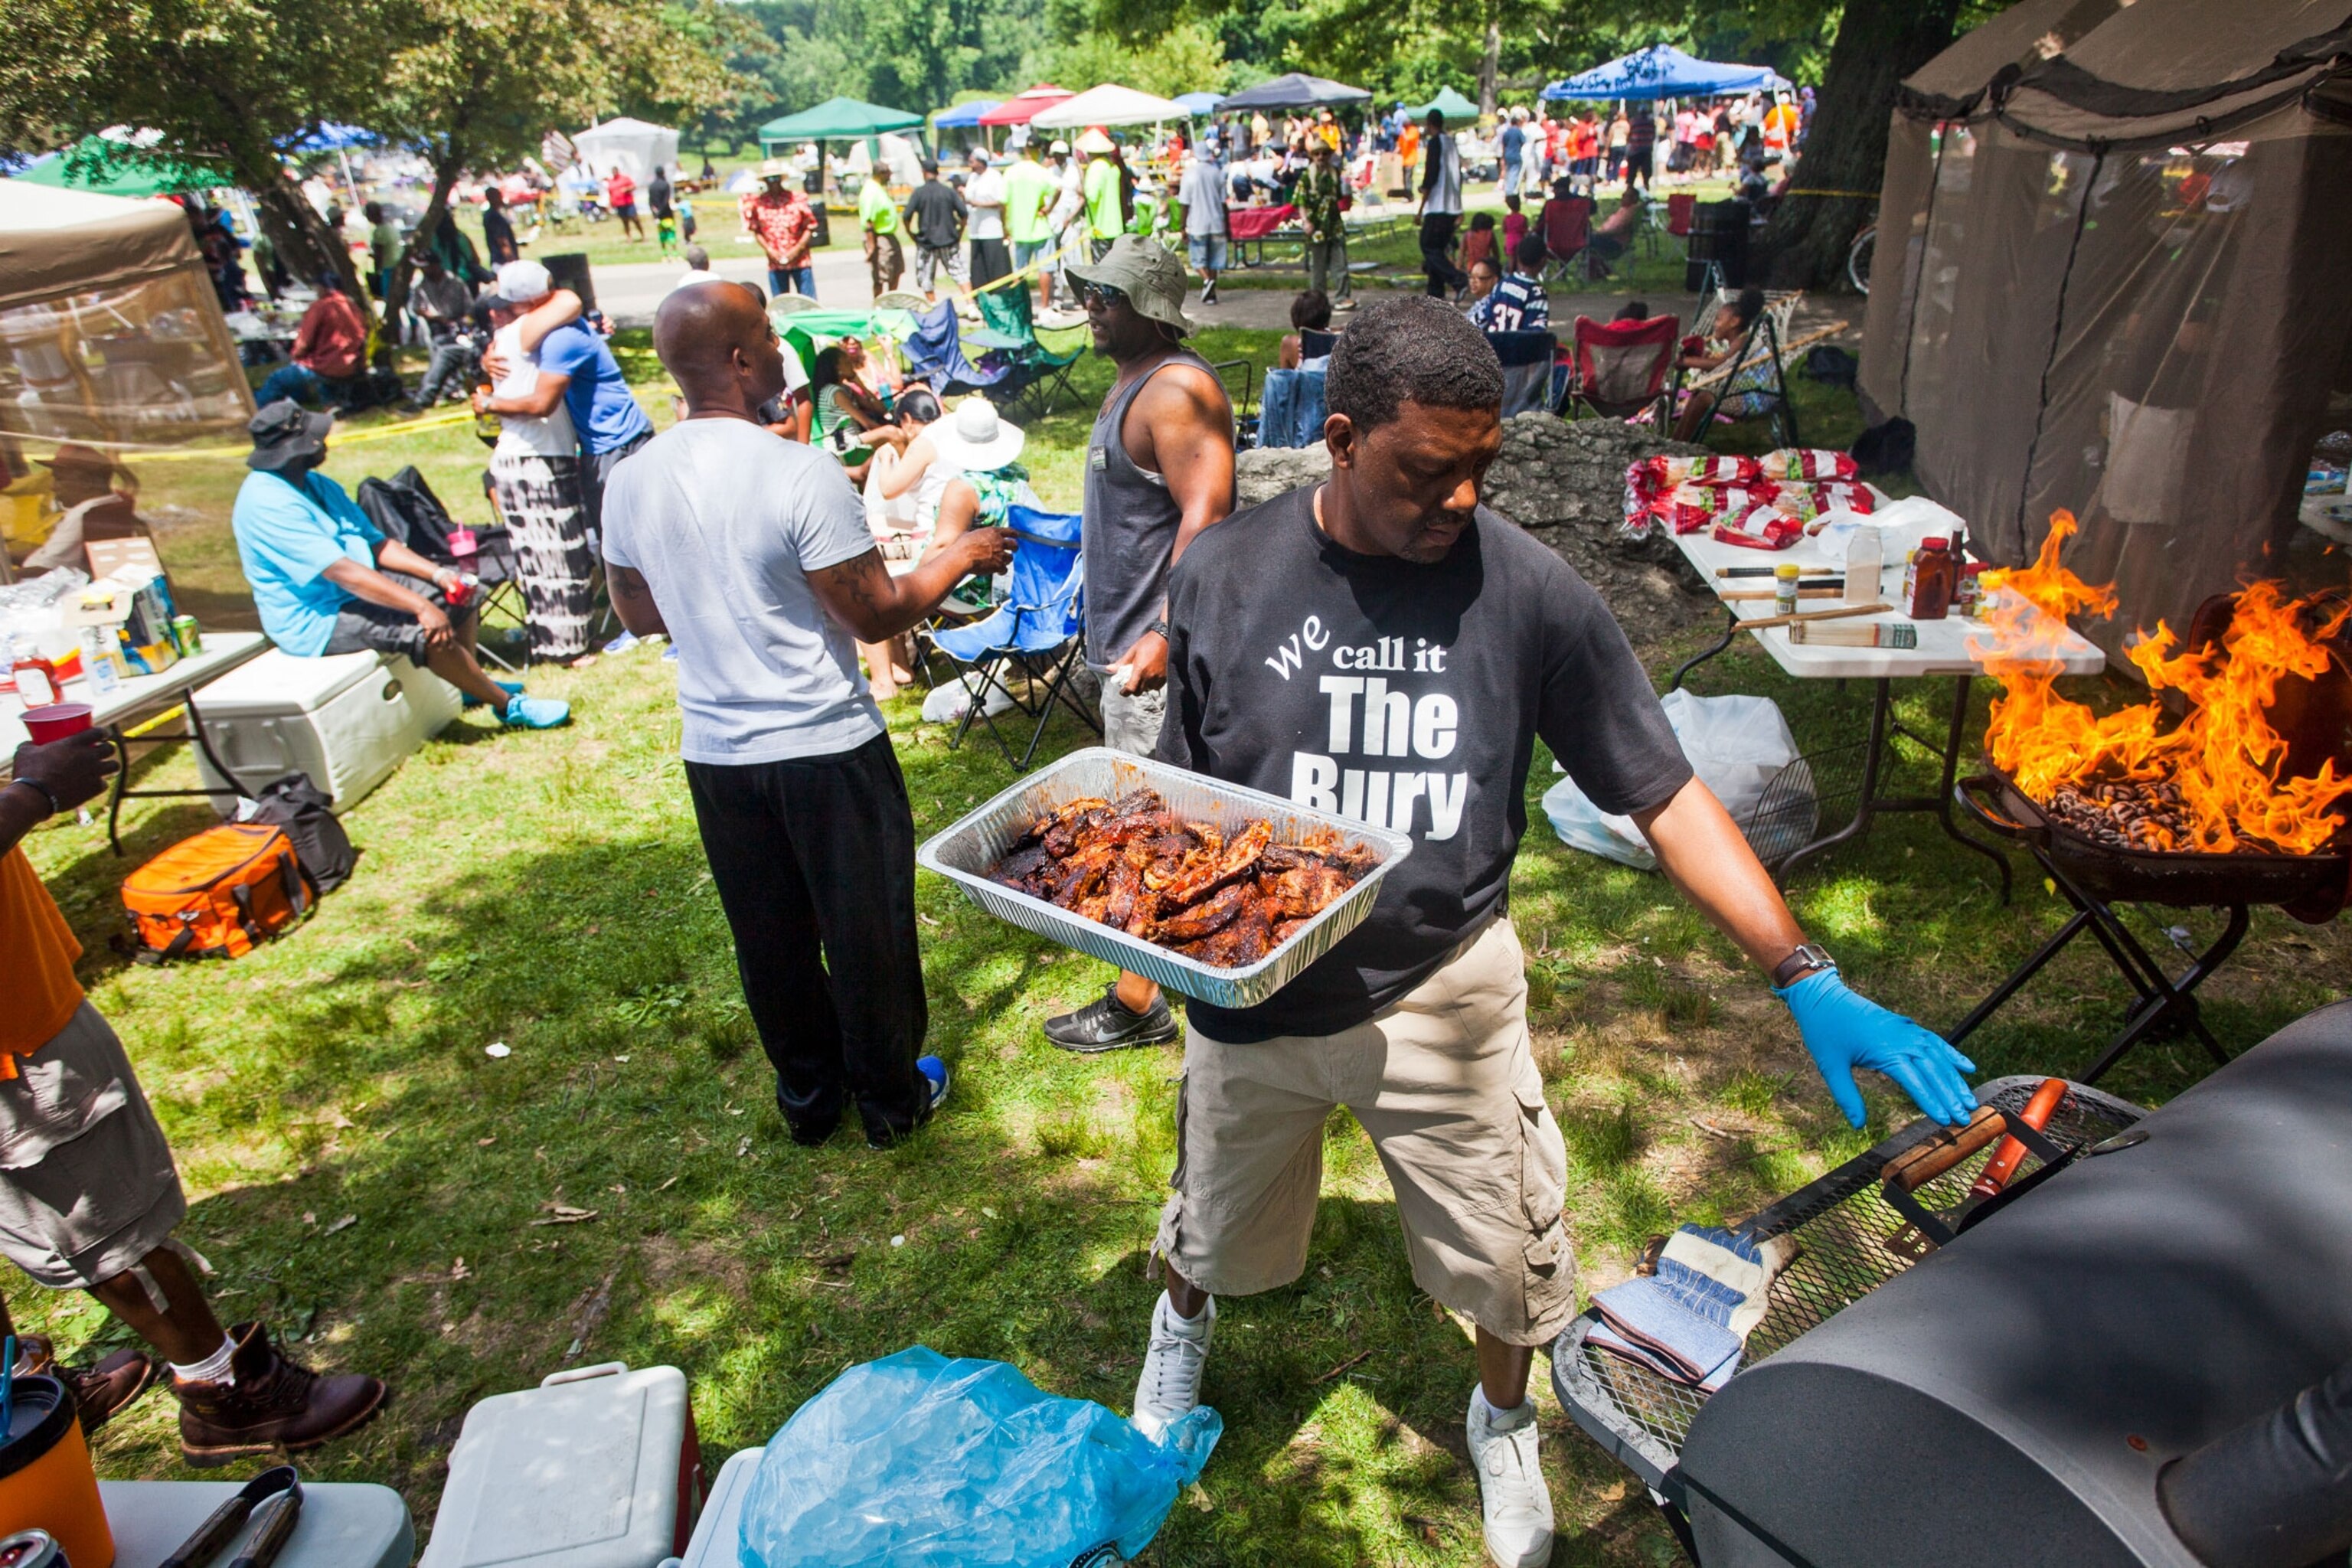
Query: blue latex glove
{"points": [[1844, 1031]]}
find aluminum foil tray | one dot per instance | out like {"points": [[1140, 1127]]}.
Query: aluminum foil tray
{"points": [[964, 852]]}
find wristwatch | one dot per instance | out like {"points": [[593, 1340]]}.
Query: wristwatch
{"points": [[1160, 627], [1804, 961], [37, 787]]}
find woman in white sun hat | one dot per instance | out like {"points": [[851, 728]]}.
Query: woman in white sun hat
{"points": [[981, 452]]}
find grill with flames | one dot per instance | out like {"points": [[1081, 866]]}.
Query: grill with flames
{"points": [[2244, 798], [2230, 786]]}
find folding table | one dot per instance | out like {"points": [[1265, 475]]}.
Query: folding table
{"points": [[1952, 646], [132, 712]]}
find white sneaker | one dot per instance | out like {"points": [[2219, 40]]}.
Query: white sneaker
{"points": [[1511, 1489], [1171, 1384]]}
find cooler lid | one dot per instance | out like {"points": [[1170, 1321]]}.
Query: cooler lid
{"points": [[278, 684], [575, 1473]]}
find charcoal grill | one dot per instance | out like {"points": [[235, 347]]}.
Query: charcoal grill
{"points": [[2010, 1397], [1842, 1225], [2095, 876]]}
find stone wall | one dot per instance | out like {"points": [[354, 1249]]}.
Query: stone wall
{"points": [[1565, 483]]}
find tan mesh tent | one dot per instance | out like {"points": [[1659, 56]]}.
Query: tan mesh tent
{"points": [[2114, 275], [109, 331]]}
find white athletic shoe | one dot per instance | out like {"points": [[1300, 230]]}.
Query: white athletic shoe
{"points": [[1511, 1488], [1171, 1384]]}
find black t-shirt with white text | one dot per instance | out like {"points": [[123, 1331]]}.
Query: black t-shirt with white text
{"points": [[1403, 694]]}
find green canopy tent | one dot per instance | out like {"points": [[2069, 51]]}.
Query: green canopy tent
{"points": [[1456, 109], [835, 120], [117, 169]]}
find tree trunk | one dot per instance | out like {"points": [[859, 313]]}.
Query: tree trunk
{"points": [[1879, 43], [444, 179], [1490, 57], [301, 234]]}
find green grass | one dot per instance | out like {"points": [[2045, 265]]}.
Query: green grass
{"points": [[547, 890]]}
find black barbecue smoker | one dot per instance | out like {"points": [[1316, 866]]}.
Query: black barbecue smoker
{"points": [[2156, 1283]]}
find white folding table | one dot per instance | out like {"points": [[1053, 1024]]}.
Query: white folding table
{"points": [[1954, 647], [130, 713]]}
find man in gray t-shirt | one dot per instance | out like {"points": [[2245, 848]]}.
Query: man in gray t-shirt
{"points": [[752, 553]]}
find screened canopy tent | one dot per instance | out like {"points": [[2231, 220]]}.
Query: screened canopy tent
{"points": [[110, 332], [1661, 72], [1456, 109], [1298, 90], [1109, 104], [837, 120], [1023, 106], [632, 146], [109, 167], [2110, 270]]}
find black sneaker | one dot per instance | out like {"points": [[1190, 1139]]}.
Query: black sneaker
{"points": [[1108, 1026]]}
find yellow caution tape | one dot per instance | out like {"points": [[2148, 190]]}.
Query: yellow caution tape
{"points": [[340, 437]]}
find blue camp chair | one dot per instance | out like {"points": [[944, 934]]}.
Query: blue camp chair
{"points": [[1040, 628], [935, 354], [1291, 412]]}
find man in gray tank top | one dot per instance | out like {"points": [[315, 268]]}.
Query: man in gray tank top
{"points": [[1159, 469]]}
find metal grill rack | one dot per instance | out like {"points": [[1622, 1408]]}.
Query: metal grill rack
{"points": [[1841, 1224]]}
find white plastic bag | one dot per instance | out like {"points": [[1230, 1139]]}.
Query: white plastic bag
{"points": [[946, 703], [1736, 745]]}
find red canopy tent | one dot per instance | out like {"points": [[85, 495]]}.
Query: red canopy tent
{"points": [[1018, 108]]}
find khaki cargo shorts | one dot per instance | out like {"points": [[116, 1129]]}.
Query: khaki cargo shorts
{"points": [[87, 1185], [1445, 1084]]}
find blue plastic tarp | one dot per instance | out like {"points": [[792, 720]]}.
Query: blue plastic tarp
{"points": [[1661, 72], [963, 114]]}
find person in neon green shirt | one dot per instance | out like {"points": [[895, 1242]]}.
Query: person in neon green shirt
{"points": [[1106, 209], [1029, 193], [878, 215]]}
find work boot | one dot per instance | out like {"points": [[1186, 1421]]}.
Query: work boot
{"points": [[272, 1403], [1108, 1026], [110, 1386]]}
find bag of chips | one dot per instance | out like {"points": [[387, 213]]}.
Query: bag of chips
{"points": [[1691, 507], [1806, 463], [1664, 471], [1760, 528]]}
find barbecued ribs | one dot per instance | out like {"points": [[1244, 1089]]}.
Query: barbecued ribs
{"points": [[1134, 865]]}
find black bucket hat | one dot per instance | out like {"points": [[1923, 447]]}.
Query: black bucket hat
{"points": [[284, 434]]}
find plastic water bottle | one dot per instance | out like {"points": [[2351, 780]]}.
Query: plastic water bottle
{"points": [[101, 660]]}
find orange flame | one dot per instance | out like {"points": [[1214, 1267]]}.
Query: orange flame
{"points": [[2225, 757]]}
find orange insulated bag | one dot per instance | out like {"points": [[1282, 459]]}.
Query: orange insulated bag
{"points": [[217, 895]]}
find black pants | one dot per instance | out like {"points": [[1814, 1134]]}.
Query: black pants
{"points": [[1436, 244], [817, 856]]}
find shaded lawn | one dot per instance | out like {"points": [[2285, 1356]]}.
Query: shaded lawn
{"points": [[547, 890]]}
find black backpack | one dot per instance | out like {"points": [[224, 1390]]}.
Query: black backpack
{"points": [[301, 809], [1887, 448]]}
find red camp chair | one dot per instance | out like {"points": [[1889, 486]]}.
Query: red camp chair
{"points": [[1621, 367], [1567, 230], [1681, 207]]}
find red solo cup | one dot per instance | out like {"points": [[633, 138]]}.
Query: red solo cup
{"points": [[56, 721]]}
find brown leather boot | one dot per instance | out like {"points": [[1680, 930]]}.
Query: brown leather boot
{"points": [[110, 1386], [273, 1403]]}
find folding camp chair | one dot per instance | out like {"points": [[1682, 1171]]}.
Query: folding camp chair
{"points": [[1526, 369], [1245, 423], [1567, 230], [935, 355], [403, 507], [1621, 368], [1034, 372], [1292, 413], [1753, 383], [1039, 629], [1681, 206]]}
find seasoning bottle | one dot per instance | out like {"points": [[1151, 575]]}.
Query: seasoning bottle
{"points": [[36, 680], [1785, 576], [1967, 598], [1928, 581]]}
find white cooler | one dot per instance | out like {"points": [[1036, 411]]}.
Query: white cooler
{"points": [[347, 720], [597, 1467]]}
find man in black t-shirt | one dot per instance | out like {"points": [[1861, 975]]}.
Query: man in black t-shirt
{"points": [[1384, 647]]}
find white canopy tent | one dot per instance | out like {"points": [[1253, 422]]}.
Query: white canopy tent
{"points": [[1109, 104], [632, 145]]}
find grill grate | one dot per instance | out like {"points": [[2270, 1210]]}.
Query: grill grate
{"points": [[1841, 1224]]}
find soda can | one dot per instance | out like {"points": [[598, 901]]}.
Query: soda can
{"points": [[186, 636], [31, 1549]]}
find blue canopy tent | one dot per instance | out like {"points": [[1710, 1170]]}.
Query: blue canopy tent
{"points": [[1661, 72], [963, 116]]}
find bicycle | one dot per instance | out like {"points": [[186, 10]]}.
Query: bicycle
{"points": [[1858, 256]]}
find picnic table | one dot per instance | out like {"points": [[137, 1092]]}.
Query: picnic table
{"points": [[1951, 648], [134, 712]]}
